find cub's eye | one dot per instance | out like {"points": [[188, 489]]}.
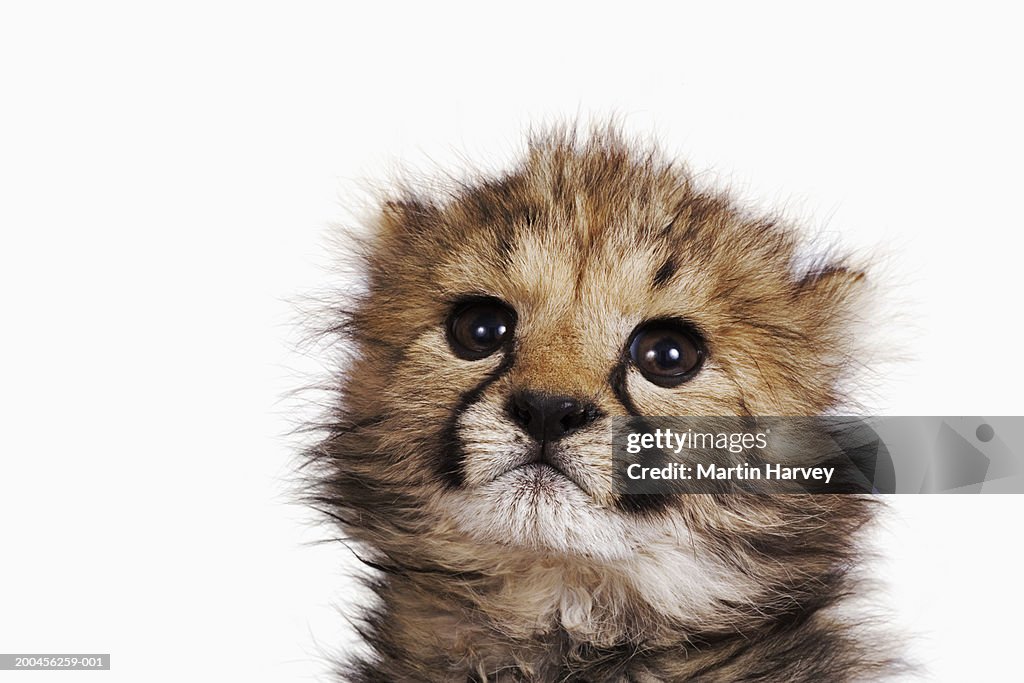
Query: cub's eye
{"points": [[667, 352], [478, 329]]}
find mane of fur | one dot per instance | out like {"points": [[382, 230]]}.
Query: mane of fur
{"points": [[711, 588]]}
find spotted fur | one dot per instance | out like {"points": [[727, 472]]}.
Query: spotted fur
{"points": [[488, 572]]}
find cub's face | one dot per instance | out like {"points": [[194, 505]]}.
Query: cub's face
{"points": [[504, 329]]}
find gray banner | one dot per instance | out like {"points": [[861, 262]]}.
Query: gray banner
{"points": [[666, 455], [51, 662]]}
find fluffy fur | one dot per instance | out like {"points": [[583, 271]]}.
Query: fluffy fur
{"points": [[485, 571]]}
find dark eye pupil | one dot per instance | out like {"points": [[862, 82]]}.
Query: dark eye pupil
{"points": [[487, 330], [665, 354]]}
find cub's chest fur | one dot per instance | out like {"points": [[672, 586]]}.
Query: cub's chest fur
{"points": [[545, 620], [504, 324], [602, 604]]}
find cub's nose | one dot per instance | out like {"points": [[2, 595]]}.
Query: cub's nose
{"points": [[549, 418]]}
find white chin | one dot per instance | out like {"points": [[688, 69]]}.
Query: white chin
{"points": [[536, 506]]}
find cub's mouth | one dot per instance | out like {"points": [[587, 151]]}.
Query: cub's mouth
{"points": [[544, 465]]}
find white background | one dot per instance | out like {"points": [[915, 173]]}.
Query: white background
{"points": [[167, 175]]}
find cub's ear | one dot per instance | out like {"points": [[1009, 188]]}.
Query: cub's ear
{"points": [[831, 286]]}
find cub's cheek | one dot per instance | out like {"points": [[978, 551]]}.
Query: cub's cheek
{"points": [[490, 445], [586, 457]]}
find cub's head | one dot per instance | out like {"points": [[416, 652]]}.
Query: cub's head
{"points": [[504, 325]]}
